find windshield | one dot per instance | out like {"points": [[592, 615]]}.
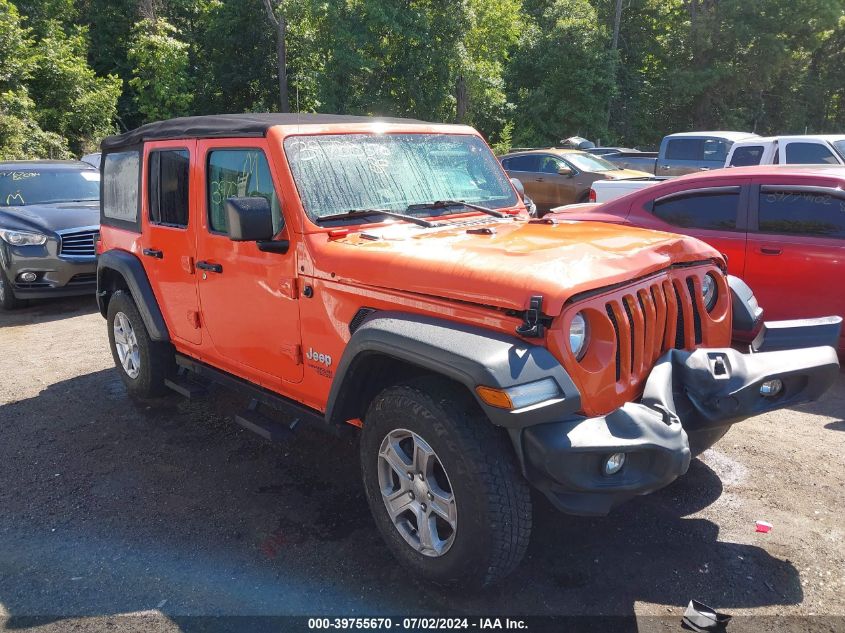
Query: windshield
{"points": [[840, 147], [33, 186], [588, 162], [343, 172]]}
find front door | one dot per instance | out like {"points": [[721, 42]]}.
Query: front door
{"points": [[168, 240], [248, 297], [796, 251]]}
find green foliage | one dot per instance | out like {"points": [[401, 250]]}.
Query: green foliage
{"points": [[522, 71], [568, 48], [71, 100], [160, 79]]}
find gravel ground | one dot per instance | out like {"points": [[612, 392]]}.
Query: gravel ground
{"points": [[172, 513]]}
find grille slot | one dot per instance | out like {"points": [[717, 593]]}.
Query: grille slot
{"points": [[79, 243], [648, 323]]}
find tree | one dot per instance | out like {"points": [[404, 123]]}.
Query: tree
{"points": [[160, 77], [70, 98], [561, 75], [280, 24], [20, 134]]}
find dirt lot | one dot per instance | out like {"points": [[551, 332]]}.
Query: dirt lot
{"points": [[171, 511]]}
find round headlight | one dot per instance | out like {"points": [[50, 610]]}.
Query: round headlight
{"points": [[578, 335], [709, 291]]}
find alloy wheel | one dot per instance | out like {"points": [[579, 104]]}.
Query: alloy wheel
{"points": [[126, 344], [417, 493]]}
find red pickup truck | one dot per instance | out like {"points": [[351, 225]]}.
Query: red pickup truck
{"points": [[781, 229]]}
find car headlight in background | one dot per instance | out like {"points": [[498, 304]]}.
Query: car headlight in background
{"points": [[22, 238], [578, 336], [709, 291]]}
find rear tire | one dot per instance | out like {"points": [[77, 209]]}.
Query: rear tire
{"points": [[474, 466], [8, 300], [143, 364]]}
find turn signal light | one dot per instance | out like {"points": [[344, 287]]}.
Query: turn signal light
{"points": [[495, 397]]}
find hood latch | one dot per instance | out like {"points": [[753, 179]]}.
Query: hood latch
{"points": [[533, 326]]}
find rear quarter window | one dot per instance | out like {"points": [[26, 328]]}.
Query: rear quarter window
{"points": [[121, 186], [809, 213], [715, 211]]}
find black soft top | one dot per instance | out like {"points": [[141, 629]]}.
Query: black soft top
{"points": [[223, 125]]}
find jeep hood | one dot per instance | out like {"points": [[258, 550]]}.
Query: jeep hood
{"points": [[506, 268]]}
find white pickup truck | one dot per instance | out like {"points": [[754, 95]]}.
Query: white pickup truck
{"points": [[816, 149]]}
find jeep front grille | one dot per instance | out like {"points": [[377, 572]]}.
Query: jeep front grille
{"points": [[632, 326], [79, 243], [647, 322]]}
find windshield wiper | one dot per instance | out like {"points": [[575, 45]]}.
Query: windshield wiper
{"points": [[357, 213], [444, 204]]}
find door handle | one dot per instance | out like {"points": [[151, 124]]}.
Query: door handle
{"points": [[155, 254], [768, 250], [539, 180], [208, 266]]}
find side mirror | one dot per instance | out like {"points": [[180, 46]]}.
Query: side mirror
{"points": [[520, 188], [564, 171], [250, 219]]}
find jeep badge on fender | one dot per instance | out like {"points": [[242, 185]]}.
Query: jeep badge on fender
{"points": [[477, 352]]}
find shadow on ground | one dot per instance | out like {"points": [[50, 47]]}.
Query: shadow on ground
{"points": [[46, 310], [111, 507]]}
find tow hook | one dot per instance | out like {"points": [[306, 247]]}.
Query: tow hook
{"points": [[533, 326]]}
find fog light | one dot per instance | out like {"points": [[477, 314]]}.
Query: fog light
{"points": [[28, 277], [771, 388], [614, 463]]}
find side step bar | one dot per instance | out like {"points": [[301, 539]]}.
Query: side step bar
{"points": [[273, 430], [252, 419], [184, 386]]}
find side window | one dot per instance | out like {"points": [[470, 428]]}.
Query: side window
{"points": [[549, 164], [529, 162], [747, 155], [705, 210], [685, 149], [809, 154], [239, 173], [716, 150], [121, 173], [168, 178], [801, 213]]}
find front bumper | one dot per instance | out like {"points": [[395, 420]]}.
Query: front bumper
{"points": [[690, 401], [56, 275]]}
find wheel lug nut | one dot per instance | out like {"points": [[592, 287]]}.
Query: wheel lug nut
{"points": [[421, 477], [424, 507], [410, 476], [430, 497], [410, 495]]}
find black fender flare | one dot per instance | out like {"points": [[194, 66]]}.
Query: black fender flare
{"points": [[471, 356], [130, 268]]}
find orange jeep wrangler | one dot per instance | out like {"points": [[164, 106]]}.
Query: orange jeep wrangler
{"points": [[384, 276]]}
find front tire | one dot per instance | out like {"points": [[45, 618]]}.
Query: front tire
{"points": [[443, 486], [8, 300], [143, 364]]}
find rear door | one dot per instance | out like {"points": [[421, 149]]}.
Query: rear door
{"points": [[796, 250], [685, 155], [716, 214], [168, 239], [526, 168], [249, 297]]}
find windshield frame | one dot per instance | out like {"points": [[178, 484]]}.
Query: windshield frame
{"points": [[511, 200], [839, 146], [33, 171]]}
